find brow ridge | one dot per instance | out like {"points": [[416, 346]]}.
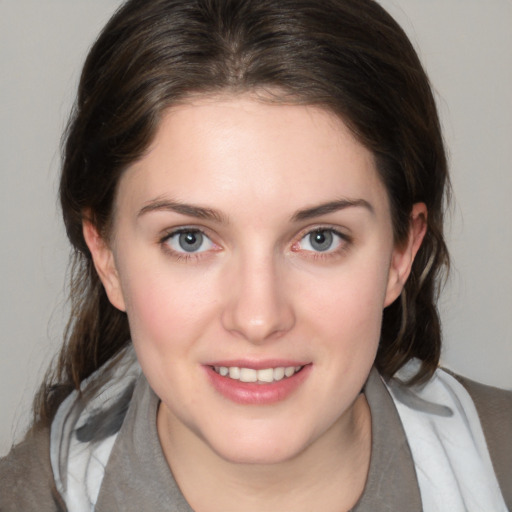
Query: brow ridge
{"points": [[201, 212], [189, 210], [331, 207]]}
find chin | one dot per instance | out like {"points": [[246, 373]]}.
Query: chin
{"points": [[263, 448], [265, 457]]}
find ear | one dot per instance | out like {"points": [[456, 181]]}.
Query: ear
{"points": [[104, 262], [403, 256]]}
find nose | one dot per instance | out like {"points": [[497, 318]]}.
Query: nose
{"points": [[258, 308]]}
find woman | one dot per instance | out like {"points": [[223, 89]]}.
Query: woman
{"points": [[255, 192]]}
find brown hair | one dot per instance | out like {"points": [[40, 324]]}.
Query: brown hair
{"points": [[348, 56]]}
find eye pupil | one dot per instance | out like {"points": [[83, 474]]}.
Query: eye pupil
{"points": [[190, 241], [321, 240]]}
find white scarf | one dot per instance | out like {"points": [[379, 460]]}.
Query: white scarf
{"points": [[78, 467], [453, 465]]}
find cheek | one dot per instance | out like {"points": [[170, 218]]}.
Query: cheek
{"points": [[349, 303], [165, 306]]}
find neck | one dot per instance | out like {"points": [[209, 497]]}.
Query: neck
{"points": [[213, 484]]}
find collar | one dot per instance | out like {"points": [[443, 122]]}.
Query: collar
{"points": [[137, 476]]}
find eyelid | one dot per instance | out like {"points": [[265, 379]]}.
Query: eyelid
{"points": [[169, 233], [338, 230], [184, 228]]}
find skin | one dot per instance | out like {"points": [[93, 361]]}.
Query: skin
{"points": [[257, 289]]}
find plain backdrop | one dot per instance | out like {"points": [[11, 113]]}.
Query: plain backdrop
{"points": [[466, 46]]}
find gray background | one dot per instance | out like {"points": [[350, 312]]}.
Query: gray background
{"points": [[466, 46]]}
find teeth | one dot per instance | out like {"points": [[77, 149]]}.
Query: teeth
{"points": [[234, 373], [278, 373], [288, 372], [266, 375], [248, 375]]}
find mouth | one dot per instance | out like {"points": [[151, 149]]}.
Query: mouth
{"points": [[257, 382], [261, 376]]}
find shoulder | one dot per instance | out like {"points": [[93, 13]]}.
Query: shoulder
{"points": [[26, 481], [494, 407], [492, 401]]}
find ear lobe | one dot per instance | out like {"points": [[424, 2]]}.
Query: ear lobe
{"points": [[403, 256], [104, 263]]}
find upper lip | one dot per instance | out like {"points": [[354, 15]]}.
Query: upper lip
{"points": [[257, 365]]}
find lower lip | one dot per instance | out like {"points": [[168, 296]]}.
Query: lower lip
{"points": [[252, 393]]}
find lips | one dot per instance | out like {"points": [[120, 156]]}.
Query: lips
{"points": [[257, 384]]}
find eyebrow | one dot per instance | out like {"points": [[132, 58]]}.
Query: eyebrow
{"points": [[330, 207], [199, 212]]}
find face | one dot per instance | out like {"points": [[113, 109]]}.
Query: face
{"points": [[253, 253]]}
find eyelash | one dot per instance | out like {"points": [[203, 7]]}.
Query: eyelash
{"points": [[344, 243]]}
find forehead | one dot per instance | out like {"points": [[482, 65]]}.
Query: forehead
{"points": [[232, 150]]}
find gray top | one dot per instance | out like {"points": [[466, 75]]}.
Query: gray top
{"points": [[137, 476]]}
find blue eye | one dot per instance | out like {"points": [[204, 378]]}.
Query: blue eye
{"points": [[321, 240], [189, 241]]}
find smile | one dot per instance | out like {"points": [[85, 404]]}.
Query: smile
{"points": [[263, 376]]}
